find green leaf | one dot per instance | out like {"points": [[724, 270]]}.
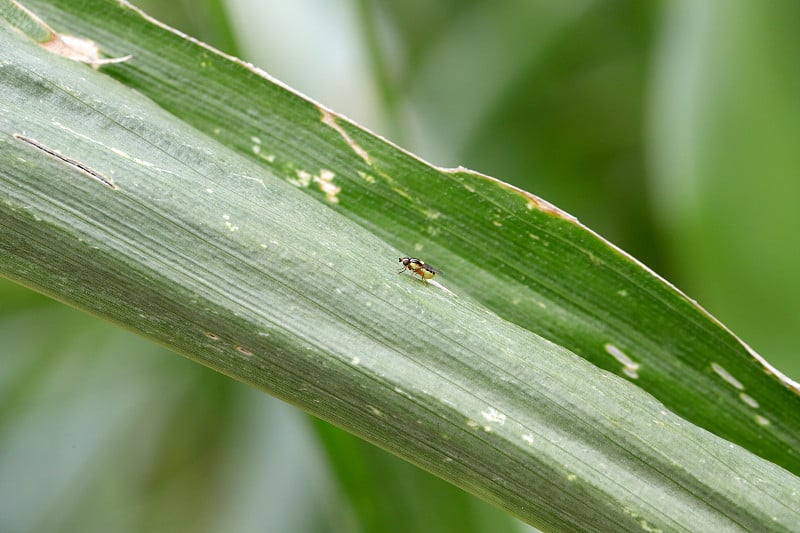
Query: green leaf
{"points": [[163, 443], [548, 274], [388, 493], [256, 232]]}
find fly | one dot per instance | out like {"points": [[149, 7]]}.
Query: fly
{"points": [[418, 267]]}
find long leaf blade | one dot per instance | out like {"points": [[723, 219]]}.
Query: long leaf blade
{"points": [[221, 259], [550, 275]]}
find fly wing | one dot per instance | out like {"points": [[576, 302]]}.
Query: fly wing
{"points": [[429, 268], [423, 265]]}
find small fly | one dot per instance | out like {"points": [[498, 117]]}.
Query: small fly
{"points": [[418, 267]]}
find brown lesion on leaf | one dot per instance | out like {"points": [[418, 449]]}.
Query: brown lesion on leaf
{"points": [[69, 46], [532, 201], [84, 169], [329, 119], [81, 50], [244, 351]]}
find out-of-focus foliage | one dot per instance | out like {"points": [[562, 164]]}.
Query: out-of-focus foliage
{"points": [[725, 124], [661, 126], [101, 430]]}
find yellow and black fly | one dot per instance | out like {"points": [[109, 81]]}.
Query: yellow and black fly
{"points": [[418, 267]]}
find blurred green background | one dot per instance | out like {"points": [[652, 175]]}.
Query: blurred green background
{"points": [[670, 128]]}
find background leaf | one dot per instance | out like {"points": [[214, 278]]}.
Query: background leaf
{"points": [[725, 160]]}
